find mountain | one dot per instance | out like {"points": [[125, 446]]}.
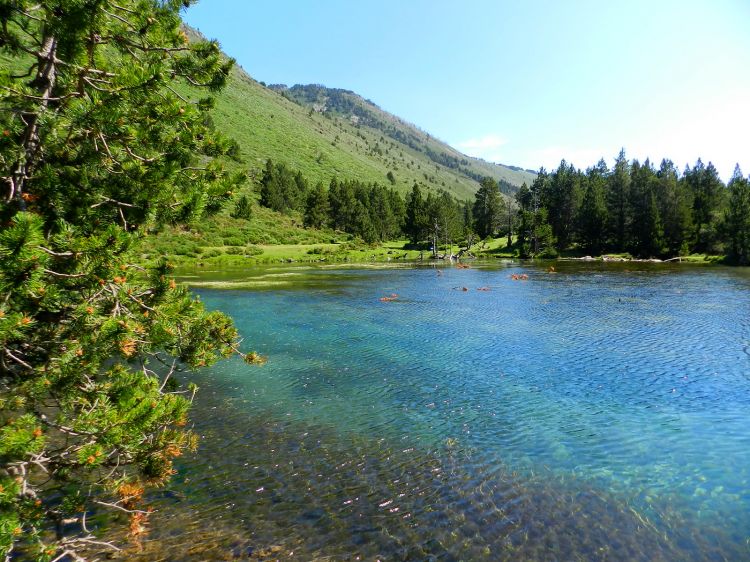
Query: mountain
{"points": [[326, 132], [322, 133], [396, 133]]}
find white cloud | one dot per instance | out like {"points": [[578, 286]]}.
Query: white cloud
{"points": [[487, 147]]}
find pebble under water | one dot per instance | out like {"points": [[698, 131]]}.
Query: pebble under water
{"points": [[601, 412]]}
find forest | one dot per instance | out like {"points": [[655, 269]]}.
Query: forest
{"points": [[371, 212], [633, 208]]}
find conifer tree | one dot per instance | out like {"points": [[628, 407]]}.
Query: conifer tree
{"points": [[416, 223], [361, 224], [242, 209], [381, 216], [488, 207], [738, 218], [98, 147], [525, 219], [445, 219], [561, 197], [467, 226], [592, 216], [316, 207], [618, 198], [341, 201], [675, 208], [281, 189], [541, 238], [708, 191], [646, 234], [398, 210]]}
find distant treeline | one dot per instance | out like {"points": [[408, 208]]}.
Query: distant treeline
{"points": [[635, 208], [632, 208], [371, 211]]}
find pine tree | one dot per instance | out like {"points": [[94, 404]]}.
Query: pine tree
{"points": [[398, 210], [445, 219], [316, 207], [618, 197], [415, 225], [541, 238], [562, 197], [296, 195], [675, 204], [341, 201], [488, 207], [738, 218], [645, 230], [282, 189], [708, 192], [98, 148], [592, 216], [271, 191], [242, 209], [509, 221], [467, 225], [362, 224], [525, 219]]}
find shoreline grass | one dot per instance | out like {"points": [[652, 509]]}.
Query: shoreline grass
{"points": [[396, 251]]}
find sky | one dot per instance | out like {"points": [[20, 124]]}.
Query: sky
{"points": [[525, 83]]}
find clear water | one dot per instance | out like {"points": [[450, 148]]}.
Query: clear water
{"points": [[601, 412]]}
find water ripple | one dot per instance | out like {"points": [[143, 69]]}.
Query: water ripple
{"points": [[593, 414]]}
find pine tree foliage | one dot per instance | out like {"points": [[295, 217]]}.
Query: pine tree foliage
{"points": [[674, 202], [417, 219], [738, 218], [282, 189], [242, 209], [316, 207], [618, 198], [633, 208], [592, 216], [488, 207], [97, 148]]}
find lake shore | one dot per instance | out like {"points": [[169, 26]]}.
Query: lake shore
{"points": [[398, 251]]}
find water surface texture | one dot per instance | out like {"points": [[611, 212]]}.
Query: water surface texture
{"points": [[601, 412]]}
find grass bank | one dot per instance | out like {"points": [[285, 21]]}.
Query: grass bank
{"points": [[332, 247]]}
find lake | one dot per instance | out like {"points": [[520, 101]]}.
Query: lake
{"points": [[599, 412]]}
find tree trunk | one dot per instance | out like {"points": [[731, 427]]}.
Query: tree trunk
{"points": [[44, 83], [510, 228]]}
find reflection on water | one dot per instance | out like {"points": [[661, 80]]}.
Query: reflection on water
{"points": [[593, 414]]}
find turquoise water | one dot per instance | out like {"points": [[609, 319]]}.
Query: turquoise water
{"points": [[601, 412]]}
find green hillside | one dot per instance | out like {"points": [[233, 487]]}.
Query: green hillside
{"points": [[395, 133], [324, 133], [327, 143]]}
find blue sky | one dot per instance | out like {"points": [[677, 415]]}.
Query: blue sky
{"points": [[519, 82]]}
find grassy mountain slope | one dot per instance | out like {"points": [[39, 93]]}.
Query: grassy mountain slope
{"points": [[354, 139], [364, 114], [266, 124]]}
